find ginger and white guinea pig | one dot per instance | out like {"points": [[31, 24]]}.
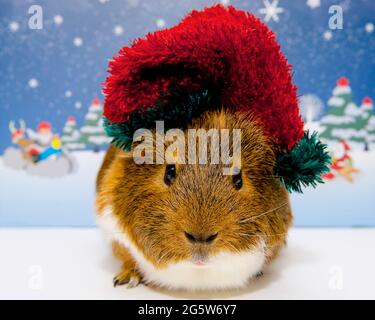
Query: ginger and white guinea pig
{"points": [[189, 226]]}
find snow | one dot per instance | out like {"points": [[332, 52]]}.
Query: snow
{"points": [[58, 19], [338, 202], [160, 23], [40, 201], [118, 30], [33, 83], [99, 140], [369, 27], [90, 129], [341, 90], [271, 10], [313, 4], [68, 128], [72, 137], [225, 2], [14, 26], [68, 201], [94, 108], [91, 116], [77, 41], [76, 263], [327, 35], [352, 110], [348, 133], [74, 145], [336, 102], [331, 119], [366, 107]]}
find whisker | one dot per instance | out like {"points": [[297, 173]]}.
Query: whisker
{"points": [[250, 219], [265, 177], [124, 156]]}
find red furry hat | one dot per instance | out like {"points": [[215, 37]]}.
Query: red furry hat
{"points": [[218, 57]]}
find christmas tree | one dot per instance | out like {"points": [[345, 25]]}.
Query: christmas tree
{"points": [[370, 124], [93, 132], [71, 136], [344, 120]]}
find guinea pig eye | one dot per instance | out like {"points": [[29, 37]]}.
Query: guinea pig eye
{"points": [[170, 174], [237, 179]]}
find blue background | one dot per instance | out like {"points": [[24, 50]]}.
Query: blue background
{"points": [[50, 56]]}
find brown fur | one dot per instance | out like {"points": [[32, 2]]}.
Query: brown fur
{"points": [[201, 200]]}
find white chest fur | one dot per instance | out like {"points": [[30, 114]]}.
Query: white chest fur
{"points": [[226, 270]]}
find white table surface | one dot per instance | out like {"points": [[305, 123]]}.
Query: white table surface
{"points": [[77, 264]]}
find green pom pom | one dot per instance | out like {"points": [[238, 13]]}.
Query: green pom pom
{"points": [[304, 165], [177, 110]]}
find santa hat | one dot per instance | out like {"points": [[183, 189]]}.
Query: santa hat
{"points": [[218, 57], [44, 125]]}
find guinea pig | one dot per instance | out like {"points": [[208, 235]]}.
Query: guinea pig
{"points": [[189, 226]]}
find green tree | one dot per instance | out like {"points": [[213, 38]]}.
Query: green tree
{"points": [[370, 125], [344, 120], [71, 136], [92, 132]]}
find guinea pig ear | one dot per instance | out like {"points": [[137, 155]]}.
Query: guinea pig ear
{"points": [[304, 165]]}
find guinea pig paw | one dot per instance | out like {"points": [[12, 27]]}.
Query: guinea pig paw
{"points": [[129, 277]]}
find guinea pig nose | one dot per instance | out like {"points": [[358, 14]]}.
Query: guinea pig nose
{"points": [[200, 238]]}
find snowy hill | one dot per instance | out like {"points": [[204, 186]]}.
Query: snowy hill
{"points": [[339, 203], [28, 200]]}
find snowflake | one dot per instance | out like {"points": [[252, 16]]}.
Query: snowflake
{"points": [[118, 30], [271, 10], [369, 27], [14, 26], [327, 35], [77, 41], [58, 19], [160, 23], [313, 4], [33, 83], [68, 93], [225, 2], [78, 105]]}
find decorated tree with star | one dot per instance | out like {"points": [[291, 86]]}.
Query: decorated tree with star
{"points": [[344, 119], [370, 139], [361, 123], [92, 132]]}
